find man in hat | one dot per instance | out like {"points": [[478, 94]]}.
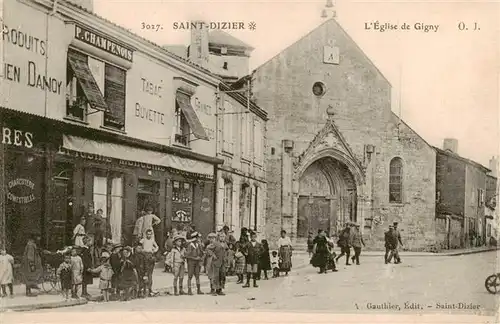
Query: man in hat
{"points": [[345, 243], [252, 253], [357, 241], [217, 250], [194, 256], [398, 241], [389, 244]]}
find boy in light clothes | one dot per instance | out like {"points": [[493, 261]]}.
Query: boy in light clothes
{"points": [[176, 259]]}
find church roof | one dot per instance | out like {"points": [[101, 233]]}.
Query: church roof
{"points": [[220, 37]]}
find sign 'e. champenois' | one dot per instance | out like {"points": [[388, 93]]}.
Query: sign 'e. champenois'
{"points": [[101, 42]]}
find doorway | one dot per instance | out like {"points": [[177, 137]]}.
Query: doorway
{"points": [[148, 195], [60, 224]]}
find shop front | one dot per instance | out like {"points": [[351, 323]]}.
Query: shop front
{"points": [[124, 180], [27, 143]]}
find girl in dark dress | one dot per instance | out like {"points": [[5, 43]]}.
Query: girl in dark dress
{"points": [[128, 274], [86, 255], [321, 252], [264, 259]]}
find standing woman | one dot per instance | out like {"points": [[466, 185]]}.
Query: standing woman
{"points": [[321, 252], [285, 252], [32, 266], [79, 233]]}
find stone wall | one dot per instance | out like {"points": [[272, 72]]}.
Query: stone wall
{"points": [[360, 96]]}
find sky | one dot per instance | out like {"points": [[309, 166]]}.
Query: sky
{"points": [[445, 82]]}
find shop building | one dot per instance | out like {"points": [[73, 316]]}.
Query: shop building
{"points": [[107, 120]]}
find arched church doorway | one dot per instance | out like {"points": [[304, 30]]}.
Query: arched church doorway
{"points": [[327, 197]]}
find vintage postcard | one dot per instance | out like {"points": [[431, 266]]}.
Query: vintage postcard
{"points": [[201, 161]]}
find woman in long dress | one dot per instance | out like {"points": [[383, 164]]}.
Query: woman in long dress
{"points": [[321, 252], [285, 252], [32, 266]]}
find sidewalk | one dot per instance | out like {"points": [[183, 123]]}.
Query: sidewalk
{"points": [[162, 283]]}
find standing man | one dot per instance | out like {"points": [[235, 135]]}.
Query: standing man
{"points": [[345, 243], [357, 240], [102, 233], [146, 222], [397, 235], [388, 244]]}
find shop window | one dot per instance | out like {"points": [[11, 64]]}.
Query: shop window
{"points": [[227, 210], [182, 202], [228, 127], [108, 196], [396, 181], [88, 91]]}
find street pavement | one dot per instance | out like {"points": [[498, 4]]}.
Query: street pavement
{"points": [[426, 284]]}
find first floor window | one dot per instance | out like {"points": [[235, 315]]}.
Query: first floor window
{"points": [[182, 130]]}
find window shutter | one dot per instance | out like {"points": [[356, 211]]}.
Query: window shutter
{"points": [[114, 94]]}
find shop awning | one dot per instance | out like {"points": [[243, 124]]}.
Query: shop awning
{"points": [[132, 154], [87, 82], [184, 102]]}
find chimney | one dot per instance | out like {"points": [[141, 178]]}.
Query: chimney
{"points": [[87, 4], [198, 49], [450, 144], [494, 167]]}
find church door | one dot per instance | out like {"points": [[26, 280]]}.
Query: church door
{"points": [[314, 214]]}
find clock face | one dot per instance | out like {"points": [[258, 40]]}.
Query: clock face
{"points": [[318, 89]]}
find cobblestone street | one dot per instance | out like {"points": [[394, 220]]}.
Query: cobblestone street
{"points": [[420, 282]]}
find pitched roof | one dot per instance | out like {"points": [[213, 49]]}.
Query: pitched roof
{"points": [[458, 157], [337, 25], [179, 50], [220, 37], [125, 30]]}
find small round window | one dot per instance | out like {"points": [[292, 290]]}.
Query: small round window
{"points": [[319, 89]]}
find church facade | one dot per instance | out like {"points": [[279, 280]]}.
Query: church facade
{"points": [[336, 151]]}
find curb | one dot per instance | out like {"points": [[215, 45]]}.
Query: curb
{"points": [[32, 307]]}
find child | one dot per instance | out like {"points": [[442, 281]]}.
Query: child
{"points": [[64, 274], [150, 248], [252, 255], [169, 244], [176, 259], [194, 256], [115, 261], [275, 264], [264, 259], [209, 257], [310, 244], [239, 263], [105, 275], [128, 274], [230, 259], [139, 260], [76, 272], [6, 272]]}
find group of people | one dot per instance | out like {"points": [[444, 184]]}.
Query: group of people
{"points": [[126, 272], [321, 247]]}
